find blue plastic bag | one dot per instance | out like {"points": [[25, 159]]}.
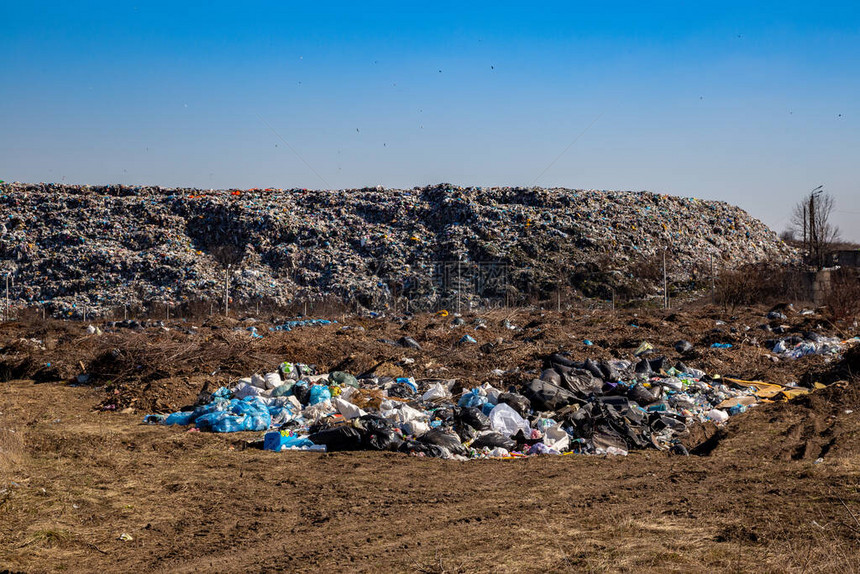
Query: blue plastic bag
{"points": [[277, 440], [472, 399], [228, 423], [180, 418], [319, 393]]}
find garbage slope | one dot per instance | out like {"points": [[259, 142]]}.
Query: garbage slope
{"points": [[105, 246]]}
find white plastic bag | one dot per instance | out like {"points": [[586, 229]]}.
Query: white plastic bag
{"points": [[244, 389], [505, 420], [436, 391], [404, 414], [415, 428], [717, 415], [347, 409], [347, 391], [314, 413], [273, 380], [556, 438]]}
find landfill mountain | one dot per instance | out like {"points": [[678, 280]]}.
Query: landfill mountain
{"points": [[102, 247]]}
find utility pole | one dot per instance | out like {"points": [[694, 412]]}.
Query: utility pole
{"points": [[6, 308], [805, 218], [814, 241]]}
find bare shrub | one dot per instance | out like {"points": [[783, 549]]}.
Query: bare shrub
{"points": [[759, 283], [843, 299]]}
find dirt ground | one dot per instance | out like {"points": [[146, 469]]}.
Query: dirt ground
{"points": [[85, 486]]}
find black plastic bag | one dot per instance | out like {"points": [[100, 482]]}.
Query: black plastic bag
{"points": [[494, 440], [464, 431], [383, 440], [546, 396], [593, 368], [643, 368], [582, 383], [641, 396], [609, 372], [427, 449], [473, 417], [340, 438], [517, 402], [302, 393], [409, 343], [443, 438], [551, 376], [561, 360]]}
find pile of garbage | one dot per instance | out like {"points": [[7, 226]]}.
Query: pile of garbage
{"points": [[797, 346], [79, 249], [607, 407]]}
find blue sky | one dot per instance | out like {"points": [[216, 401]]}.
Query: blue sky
{"points": [[751, 105]]}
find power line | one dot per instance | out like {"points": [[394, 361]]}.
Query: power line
{"points": [[582, 133], [292, 149]]}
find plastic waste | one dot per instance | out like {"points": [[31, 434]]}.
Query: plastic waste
{"points": [[436, 391], [505, 420], [180, 418], [717, 415], [282, 440], [682, 347], [347, 409], [644, 348]]}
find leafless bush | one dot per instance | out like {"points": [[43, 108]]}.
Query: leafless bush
{"points": [[843, 299], [759, 283]]}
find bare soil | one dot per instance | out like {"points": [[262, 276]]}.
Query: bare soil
{"points": [[85, 486]]}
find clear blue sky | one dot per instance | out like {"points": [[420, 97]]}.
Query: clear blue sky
{"points": [[749, 102]]}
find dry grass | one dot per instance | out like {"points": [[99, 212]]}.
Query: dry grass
{"points": [[11, 452]]}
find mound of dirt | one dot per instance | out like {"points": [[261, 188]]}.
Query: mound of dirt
{"points": [[824, 423]]}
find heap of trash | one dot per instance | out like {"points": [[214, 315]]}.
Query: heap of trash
{"points": [[81, 250], [588, 407], [797, 346]]}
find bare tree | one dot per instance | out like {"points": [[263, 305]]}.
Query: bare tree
{"points": [[811, 220]]}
